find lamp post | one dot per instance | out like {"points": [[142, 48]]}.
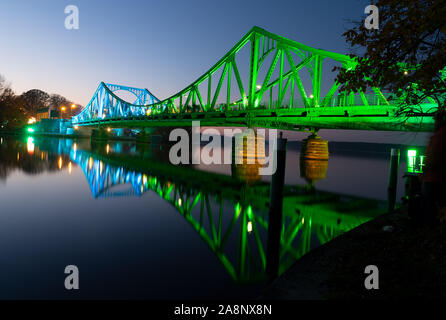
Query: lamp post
{"points": [[73, 106], [62, 109]]}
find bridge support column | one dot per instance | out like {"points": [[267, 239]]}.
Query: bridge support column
{"points": [[119, 132], [275, 212], [247, 156], [150, 135], [313, 159], [393, 178], [143, 136], [99, 134]]}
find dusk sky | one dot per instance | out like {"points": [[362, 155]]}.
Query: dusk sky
{"points": [[160, 45]]}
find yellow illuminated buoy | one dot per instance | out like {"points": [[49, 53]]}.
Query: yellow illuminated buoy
{"points": [[248, 156], [314, 148], [314, 159]]}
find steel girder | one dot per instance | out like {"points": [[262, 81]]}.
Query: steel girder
{"points": [[106, 104], [283, 75]]}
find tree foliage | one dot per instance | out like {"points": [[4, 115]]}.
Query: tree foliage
{"points": [[405, 56], [56, 101], [35, 99], [12, 114], [15, 110]]}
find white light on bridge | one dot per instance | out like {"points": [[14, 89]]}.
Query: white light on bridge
{"points": [[249, 226]]}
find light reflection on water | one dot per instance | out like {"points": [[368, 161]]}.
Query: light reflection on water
{"points": [[138, 227]]}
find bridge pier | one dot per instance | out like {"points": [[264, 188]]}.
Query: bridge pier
{"points": [[153, 135], [248, 156], [313, 159], [99, 134]]}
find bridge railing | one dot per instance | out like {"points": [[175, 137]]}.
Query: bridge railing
{"points": [[274, 79], [280, 73]]}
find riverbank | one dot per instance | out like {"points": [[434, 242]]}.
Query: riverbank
{"points": [[411, 262]]}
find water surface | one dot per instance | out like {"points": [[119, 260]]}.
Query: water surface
{"points": [[138, 227]]}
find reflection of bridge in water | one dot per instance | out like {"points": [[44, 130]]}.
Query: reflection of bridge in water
{"points": [[204, 199]]}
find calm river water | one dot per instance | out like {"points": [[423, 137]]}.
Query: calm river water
{"points": [[138, 227]]}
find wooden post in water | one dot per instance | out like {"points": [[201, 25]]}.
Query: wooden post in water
{"points": [[393, 178], [275, 211]]}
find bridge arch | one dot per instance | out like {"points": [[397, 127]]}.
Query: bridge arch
{"points": [[106, 104], [273, 95]]}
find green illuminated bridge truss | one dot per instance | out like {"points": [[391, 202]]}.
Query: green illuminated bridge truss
{"points": [[265, 80]]}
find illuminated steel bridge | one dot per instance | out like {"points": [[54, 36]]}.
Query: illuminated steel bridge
{"points": [[230, 217], [265, 80]]}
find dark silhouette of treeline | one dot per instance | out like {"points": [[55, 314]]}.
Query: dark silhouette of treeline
{"points": [[15, 110]]}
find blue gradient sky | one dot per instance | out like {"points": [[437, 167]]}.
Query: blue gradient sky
{"points": [[160, 45]]}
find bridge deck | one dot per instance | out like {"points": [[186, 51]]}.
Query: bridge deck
{"points": [[299, 119]]}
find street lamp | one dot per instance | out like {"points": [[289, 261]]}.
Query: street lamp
{"points": [[73, 106]]}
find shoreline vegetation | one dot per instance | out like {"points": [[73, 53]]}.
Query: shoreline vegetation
{"points": [[16, 110]]}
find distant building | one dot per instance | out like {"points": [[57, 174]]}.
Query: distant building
{"points": [[47, 113], [54, 114], [42, 113]]}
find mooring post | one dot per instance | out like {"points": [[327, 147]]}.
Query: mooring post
{"points": [[393, 178], [275, 211]]}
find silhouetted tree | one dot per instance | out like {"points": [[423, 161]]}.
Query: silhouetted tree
{"points": [[35, 99], [56, 101], [406, 55], [12, 114]]}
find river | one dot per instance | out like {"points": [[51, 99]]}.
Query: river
{"points": [[138, 227]]}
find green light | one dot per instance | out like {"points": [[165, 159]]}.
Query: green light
{"points": [[411, 155], [249, 212], [30, 130]]}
